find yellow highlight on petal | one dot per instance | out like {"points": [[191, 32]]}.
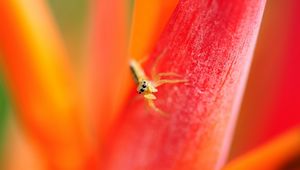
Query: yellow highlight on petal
{"points": [[46, 52]]}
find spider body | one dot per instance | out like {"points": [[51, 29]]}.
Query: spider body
{"points": [[144, 85], [147, 86]]}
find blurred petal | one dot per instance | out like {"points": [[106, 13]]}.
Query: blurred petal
{"points": [[71, 17], [285, 112], [41, 81], [211, 45], [149, 19], [21, 152], [273, 155], [106, 68], [271, 104]]}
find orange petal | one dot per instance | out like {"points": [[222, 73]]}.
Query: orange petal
{"points": [[41, 81], [273, 155], [149, 20], [20, 146]]}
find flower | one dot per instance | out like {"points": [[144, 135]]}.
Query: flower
{"points": [[93, 121]]}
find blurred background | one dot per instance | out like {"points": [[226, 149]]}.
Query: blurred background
{"points": [[270, 104], [272, 97]]}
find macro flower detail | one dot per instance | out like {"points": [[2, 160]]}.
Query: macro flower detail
{"points": [[68, 99]]}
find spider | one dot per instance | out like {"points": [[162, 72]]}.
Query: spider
{"points": [[146, 86]]}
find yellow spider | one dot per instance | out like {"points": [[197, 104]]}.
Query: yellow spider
{"points": [[147, 87]]}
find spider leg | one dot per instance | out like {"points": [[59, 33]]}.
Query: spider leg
{"points": [[153, 69], [152, 105], [167, 81], [169, 74], [135, 99], [143, 60], [159, 75], [150, 96]]}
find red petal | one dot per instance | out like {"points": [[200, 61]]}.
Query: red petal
{"points": [[106, 66], [211, 45], [272, 98]]}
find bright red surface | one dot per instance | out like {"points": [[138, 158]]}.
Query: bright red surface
{"points": [[211, 45]]}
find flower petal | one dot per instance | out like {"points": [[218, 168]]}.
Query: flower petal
{"points": [[106, 66], [149, 19], [107, 71], [41, 82], [210, 44], [271, 104], [272, 155], [18, 145]]}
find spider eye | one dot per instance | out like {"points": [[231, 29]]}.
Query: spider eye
{"points": [[144, 86], [142, 90]]}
